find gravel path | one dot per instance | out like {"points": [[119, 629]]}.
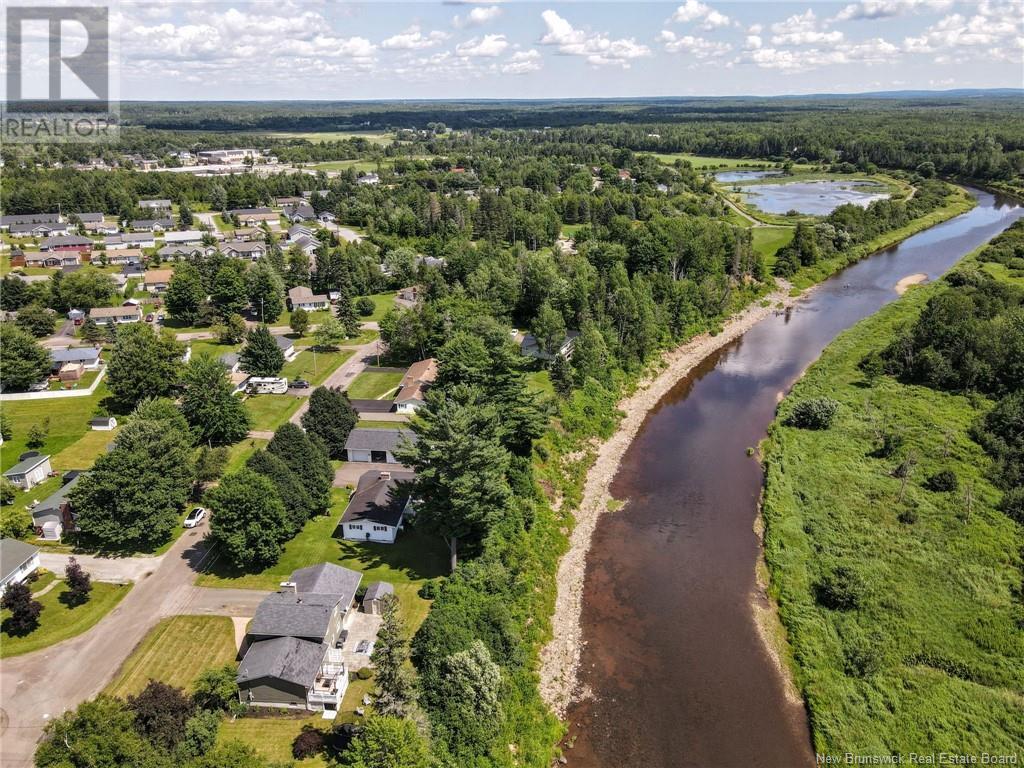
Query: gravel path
{"points": [[560, 658]]}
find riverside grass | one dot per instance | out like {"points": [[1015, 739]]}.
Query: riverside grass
{"points": [[933, 657]]}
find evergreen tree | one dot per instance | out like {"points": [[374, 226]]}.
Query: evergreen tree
{"points": [[346, 313], [208, 403], [184, 215], [261, 356], [307, 458], [393, 693], [298, 503], [22, 362], [91, 332], [265, 291], [330, 417]]}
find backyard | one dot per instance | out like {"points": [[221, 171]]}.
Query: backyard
{"points": [[373, 385]]}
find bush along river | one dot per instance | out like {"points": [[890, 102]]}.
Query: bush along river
{"points": [[679, 673]]}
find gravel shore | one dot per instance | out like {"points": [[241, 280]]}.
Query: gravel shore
{"points": [[560, 658]]}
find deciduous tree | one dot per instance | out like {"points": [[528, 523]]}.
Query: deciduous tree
{"points": [[144, 363], [261, 356], [216, 416], [248, 519]]}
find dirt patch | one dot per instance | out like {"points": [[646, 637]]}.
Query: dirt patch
{"points": [[560, 658], [909, 280]]}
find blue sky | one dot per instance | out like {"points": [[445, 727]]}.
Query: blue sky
{"points": [[328, 50]]}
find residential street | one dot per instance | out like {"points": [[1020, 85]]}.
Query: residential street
{"points": [[363, 356], [41, 685]]}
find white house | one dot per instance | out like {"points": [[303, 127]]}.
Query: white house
{"points": [[186, 237], [375, 445], [115, 315], [301, 297], [240, 249], [33, 469], [287, 346], [18, 561], [376, 510], [415, 383], [157, 280]]}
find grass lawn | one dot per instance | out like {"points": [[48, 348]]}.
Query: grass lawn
{"points": [[211, 347], [382, 302], [375, 137], [315, 318], [268, 412], [68, 418], [83, 452], [931, 652], [368, 166], [314, 367], [175, 651], [272, 737], [241, 451], [59, 622], [370, 424], [371, 385], [768, 240], [702, 162]]}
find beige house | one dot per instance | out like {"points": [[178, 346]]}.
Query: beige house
{"points": [[115, 315]]}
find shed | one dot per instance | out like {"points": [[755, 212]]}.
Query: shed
{"points": [[373, 600], [29, 472], [103, 423]]}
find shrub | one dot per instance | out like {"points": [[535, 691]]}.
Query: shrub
{"points": [[79, 583], [842, 589], [308, 743], [1013, 504], [365, 306], [942, 482], [814, 413], [891, 443], [429, 589], [24, 610], [365, 673]]}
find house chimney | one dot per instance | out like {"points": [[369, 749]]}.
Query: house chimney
{"points": [[289, 586]]}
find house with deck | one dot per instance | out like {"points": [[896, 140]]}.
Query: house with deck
{"points": [[292, 649]]}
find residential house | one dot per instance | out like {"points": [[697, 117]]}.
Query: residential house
{"points": [[129, 240], [300, 212], [249, 233], [115, 315], [32, 469], [253, 217], [283, 201], [243, 250], [54, 515], [378, 506], [300, 230], [287, 346], [87, 357], [230, 360], [412, 293], [185, 251], [301, 297], [151, 225], [308, 194], [101, 227], [38, 230], [6, 222], [18, 561], [155, 205], [415, 383], [293, 657], [373, 599], [52, 259], [530, 347], [119, 256], [307, 245], [188, 236], [375, 445], [156, 280], [326, 217], [368, 178], [65, 243], [430, 261]]}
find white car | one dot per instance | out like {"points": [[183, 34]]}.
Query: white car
{"points": [[195, 517]]}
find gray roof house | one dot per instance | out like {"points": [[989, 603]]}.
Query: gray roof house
{"points": [[293, 656], [287, 346], [87, 356], [30, 471], [29, 218], [377, 445], [64, 241], [18, 561], [377, 508], [52, 516]]}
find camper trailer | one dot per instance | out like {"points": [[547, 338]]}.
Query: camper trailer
{"points": [[267, 385]]}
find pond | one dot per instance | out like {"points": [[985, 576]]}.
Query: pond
{"points": [[728, 177], [819, 198]]}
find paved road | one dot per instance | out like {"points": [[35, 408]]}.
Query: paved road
{"points": [[364, 355], [41, 685], [113, 569]]}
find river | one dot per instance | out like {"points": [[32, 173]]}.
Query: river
{"points": [[679, 673]]}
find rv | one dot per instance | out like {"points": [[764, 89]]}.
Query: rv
{"points": [[267, 385]]}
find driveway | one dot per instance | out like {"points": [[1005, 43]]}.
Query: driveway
{"points": [[350, 472], [39, 686], [342, 376], [116, 570]]}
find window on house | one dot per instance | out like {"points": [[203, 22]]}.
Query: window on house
{"points": [[355, 527]]}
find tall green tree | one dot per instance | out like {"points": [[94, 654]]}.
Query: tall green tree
{"points": [[298, 503], [265, 291], [229, 290], [100, 733], [248, 519], [468, 713], [299, 321], [330, 417], [329, 334], [261, 356], [461, 466], [216, 416], [387, 742], [346, 313], [134, 494], [393, 692], [87, 288], [307, 458], [144, 363], [185, 293], [36, 319], [22, 362]]}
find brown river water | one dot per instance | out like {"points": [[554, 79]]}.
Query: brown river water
{"points": [[679, 673]]}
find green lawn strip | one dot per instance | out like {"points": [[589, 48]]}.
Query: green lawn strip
{"points": [[705, 163], [268, 412], [371, 424], [241, 451], [88, 377], [768, 240], [314, 366], [211, 347], [315, 318], [82, 453], [175, 651], [272, 734], [931, 654], [958, 202], [372, 385], [59, 622], [68, 421], [368, 166]]}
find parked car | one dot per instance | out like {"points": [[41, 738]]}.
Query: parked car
{"points": [[160, 318], [149, 318], [299, 384], [195, 517], [342, 637]]}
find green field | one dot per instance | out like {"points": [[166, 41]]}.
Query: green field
{"points": [[175, 651], [367, 166], [931, 657], [58, 621], [382, 303], [241, 451], [768, 240], [82, 453], [314, 366], [370, 385], [376, 137], [705, 163], [272, 737], [268, 412]]}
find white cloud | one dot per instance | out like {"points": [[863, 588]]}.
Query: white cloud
{"points": [[522, 63], [477, 17], [873, 51], [803, 29], [694, 10], [753, 41], [885, 9], [413, 39], [488, 46], [596, 47], [996, 29], [698, 47]]}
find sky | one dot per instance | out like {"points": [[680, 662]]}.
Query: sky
{"points": [[309, 49]]}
